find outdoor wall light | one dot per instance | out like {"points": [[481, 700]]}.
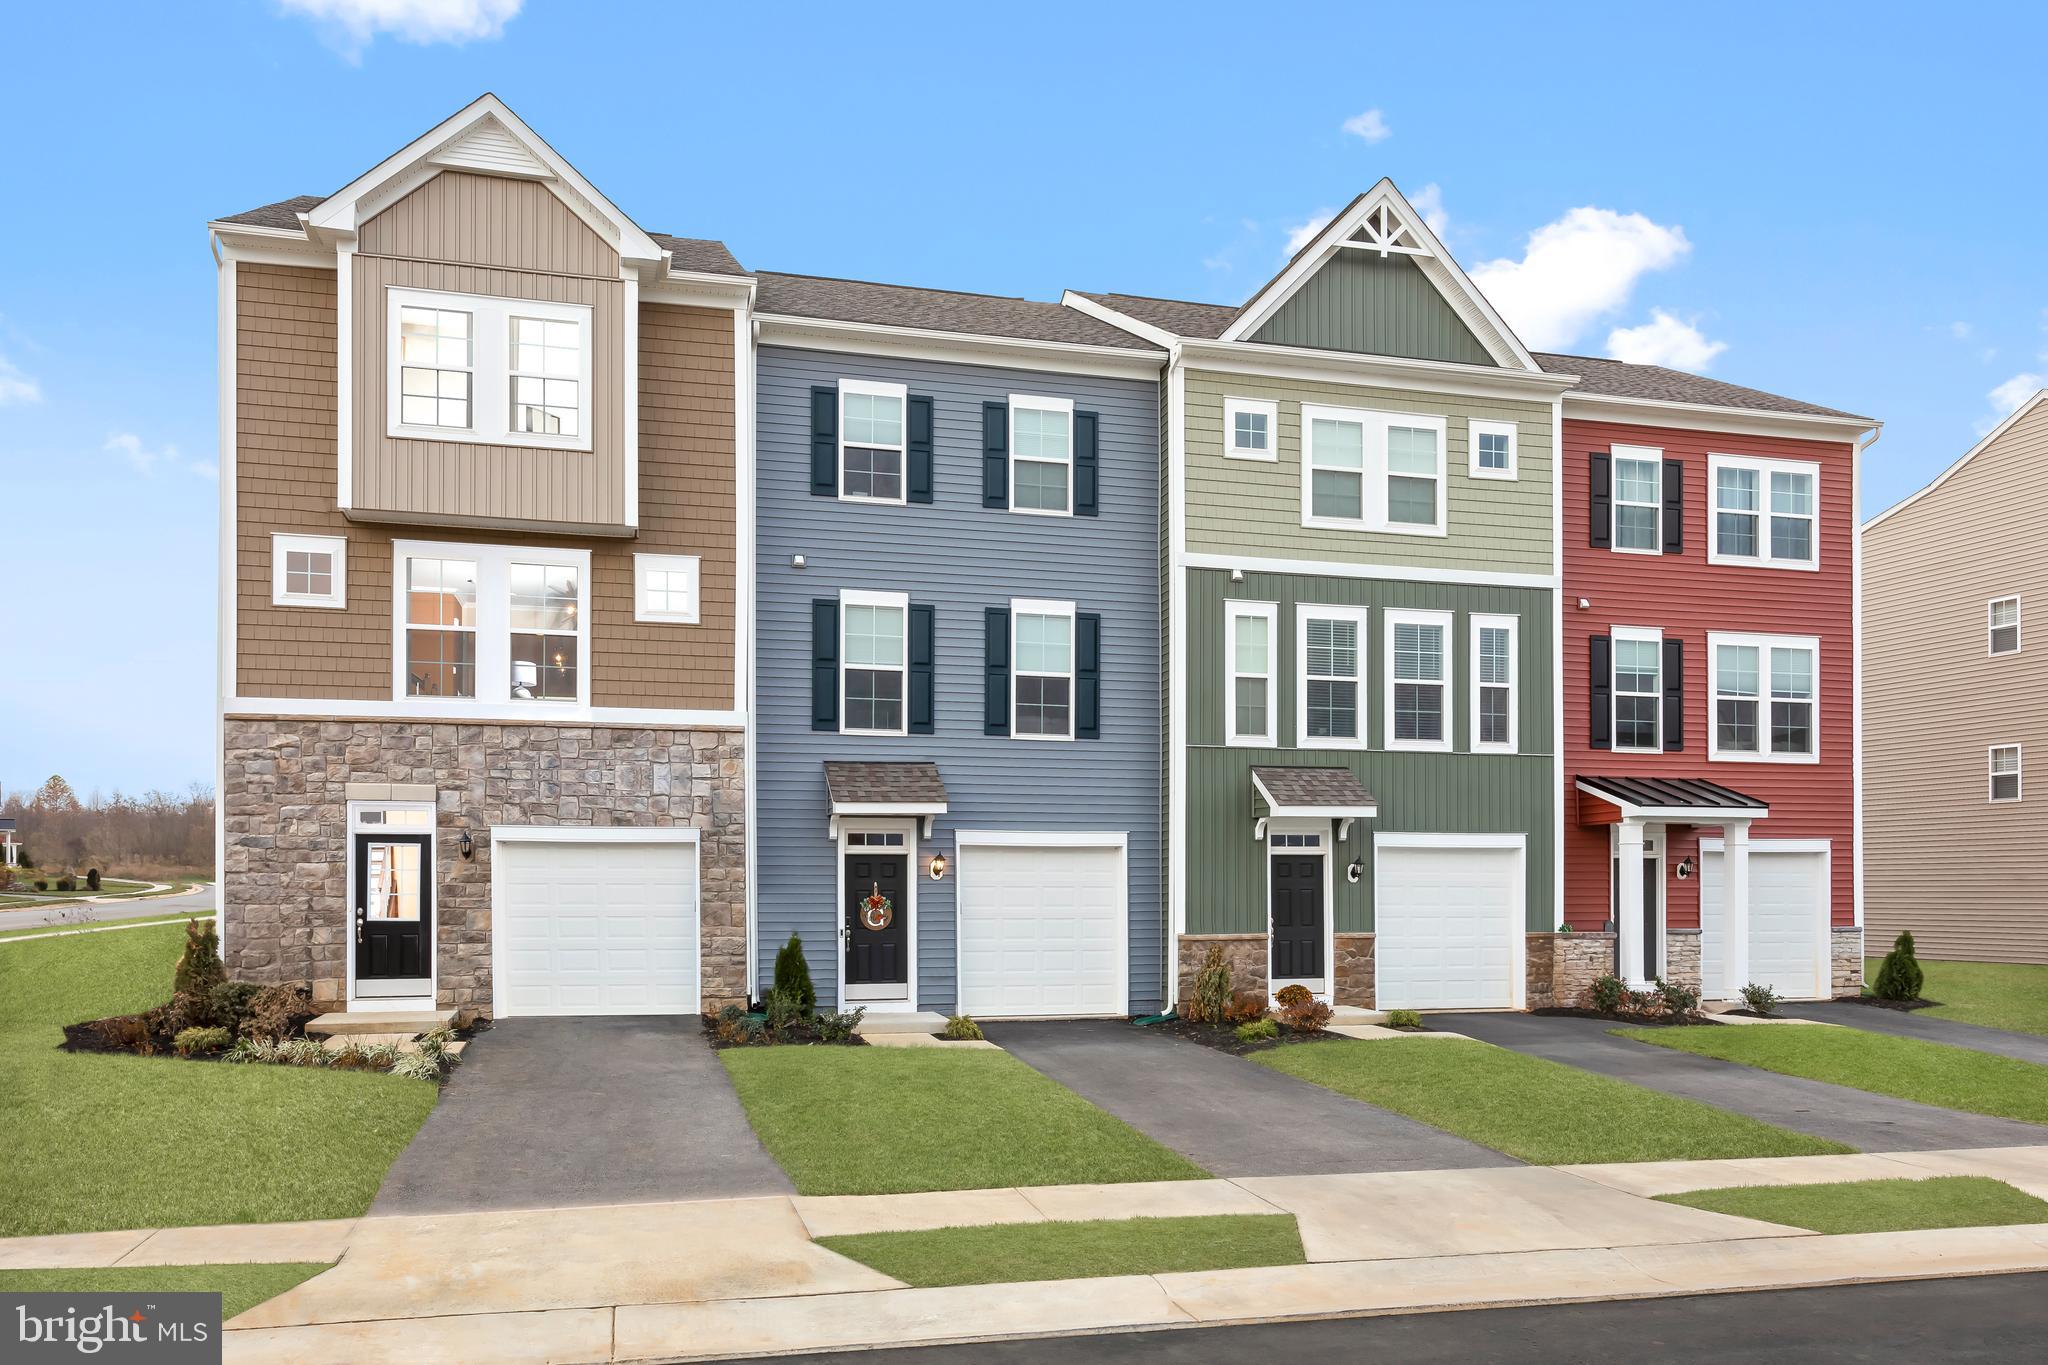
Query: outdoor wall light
{"points": [[1237, 575], [1355, 871], [796, 561], [1684, 868], [938, 867], [466, 846], [1584, 603]]}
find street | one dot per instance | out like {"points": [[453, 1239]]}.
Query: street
{"points": [[74, 914]]}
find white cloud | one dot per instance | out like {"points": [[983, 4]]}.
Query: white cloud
{"points": [[16, 387], [1370, 125], [1301, 234], [146, 460], [1961, 331], [1575, 270], [356, 23], [1664, 340], [2007, 397], [1429, 202]]}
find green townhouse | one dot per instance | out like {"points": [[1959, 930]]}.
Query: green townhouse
{"points": [[1360, 554]]}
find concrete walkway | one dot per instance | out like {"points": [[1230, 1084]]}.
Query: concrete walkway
{"points": [[2027, 1047], [1871, 1123], [544, 1113], [1226, 1114]]}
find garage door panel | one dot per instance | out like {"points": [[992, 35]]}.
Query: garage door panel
{"points": [[1788, 903], [597, 928], [1445, 924], [1041, 930]]}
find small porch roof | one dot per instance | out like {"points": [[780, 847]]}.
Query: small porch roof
{"points": [[1692, 800], [1310, 793], [869, 789]]}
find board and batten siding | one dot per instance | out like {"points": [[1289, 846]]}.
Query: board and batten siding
{"points": [[1377, 305], [958, 557], [1964, 875], [1438, 793], [1253, 507]]}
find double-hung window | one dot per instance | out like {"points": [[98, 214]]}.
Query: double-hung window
{"points": [[440, 627], [545, 623], [1493, 449], [1765, 698], [1495, 679], [436, 366], [1638, 500], [1250, 644], [2005, 772], [1330, 696], [491, 625], [874, 627], [871, 420], [1765, 512], [1251, 429], [480, 368], [1042, 686], [1638, 689], [1372, 471], [1418, 653], [2004, 618], [547, 376], [1042, 455]]}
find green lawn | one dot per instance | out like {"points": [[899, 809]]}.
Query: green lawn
{"points": [[1014, 1252], [1907, 1068], [6, 934], [96, 1142], [24, 891], [241, 1287], [1540, 1111], [2007, 995], [871, 1120], [1950, 1201]]}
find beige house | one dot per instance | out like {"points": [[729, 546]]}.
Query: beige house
{"points": [[1955, 705]]}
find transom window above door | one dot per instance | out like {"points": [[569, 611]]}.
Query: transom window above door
{"points": [[1042, 455], [491, 625], [1765, 698], [484, 369], [1329, 699], [873, 629], [1418, 679], [1043, 683], [871, 444], [1766, 512], [1372, 471]]}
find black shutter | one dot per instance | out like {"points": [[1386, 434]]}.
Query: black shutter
{"points": [[917, 484], [1086, 476], [1674, 695], [995, 719], [825, 442], [1088, 675], [995, 455], [1600, 690], [1674, 507], [1601, 470], [921, 631], [824, 663]]}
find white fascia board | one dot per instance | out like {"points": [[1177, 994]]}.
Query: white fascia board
{"points": [[916, 343], [1351, 367], [1389, 573], [232, 243], [1991, 438], [698, 291], [1796, 426], [1102, 312]]}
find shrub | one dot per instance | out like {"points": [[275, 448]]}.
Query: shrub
{"points": [[734, 1025], [67, 882], [199, 969], [1403, 1019], [962, 1028], [837, 1026], [193, 1040], [784, 1008], [228, 1003], [1211, 995], [1641, 1004], [1245, 1007], [1606, 994], [187, 1011], [92, 879], [275, 1013], [1300, 1010], [1677, 999], [42, 885], [1900, 977], [1258, 1031], [793, 975], [416, 1066], [1760, 999]]}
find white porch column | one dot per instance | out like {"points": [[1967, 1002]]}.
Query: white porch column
{"points": [[1628, 914], [1735, 906]]}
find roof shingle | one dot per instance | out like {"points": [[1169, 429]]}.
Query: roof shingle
{"points": [[284, 214], [937, 310], [1618, 379], [884, 784], [699, 254], [1314, 788]]}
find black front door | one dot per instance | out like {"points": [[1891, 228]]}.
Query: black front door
{"points": [[1652, 888], [877, 937], [1297, 917], [394, 907]]}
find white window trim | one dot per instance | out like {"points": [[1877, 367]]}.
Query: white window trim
{"points": [[1392, 619], [1263, 406], [1653, 635], [490, 391], [878, 389], [1762, 559], [1026, 606], [900, 601], [1477, 427], [1764, 644], [2019, 640], [690, 564], [1991, 775], [493, 627], [1358, 616], [1513, 626], [1655, 456], [1233, 612], [1373, 502], [336, 546], [1037, 403]]}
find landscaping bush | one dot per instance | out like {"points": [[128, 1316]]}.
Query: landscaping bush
{"points": [[785, 1009], [92, 879], [1245, 1007], [961, 1028], [1899, 978], [228, 1003], [1408, 1019], [194, 1040], [67, 883], [1211, 995], [1258, 1031], [199, 968], [42, 885], [275, 1013], [1606, 994], [1760, 999], [1676, 999], [188, 1011], [735, 1026], [793, 975], [837, 1026], [1300, 1010]]}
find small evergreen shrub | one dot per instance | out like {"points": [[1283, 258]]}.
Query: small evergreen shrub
{"points": [[1606, 994], [41, 884], [228, 1003], [734, 1026], [67, 882], [199, 969], [784, 1007], [961, 1028], [793, 975], [1676, 999], [1900, 977], [1760, 999], [275, 1013], [1258, 1031], [1211, 995], [92, 879], [1406, 1019], [837, 1026], [188, 1011]]}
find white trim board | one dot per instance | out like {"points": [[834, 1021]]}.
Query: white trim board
{"points": [[918, 343], [1388, 573], [913, 853], [315, 708]]}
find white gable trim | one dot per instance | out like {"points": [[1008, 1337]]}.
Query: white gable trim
{"points": [[1989, 440]]}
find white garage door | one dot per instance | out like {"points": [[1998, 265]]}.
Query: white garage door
{"points": [[1445, 923], [1788, 905], [1041, 931], [595, 928]]}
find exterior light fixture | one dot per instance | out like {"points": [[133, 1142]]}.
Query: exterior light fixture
{"points": [[1355, 871], [466, 846], [1584, 603], [796, 561], [1684, 868], [1237, 575], [938, 867]]}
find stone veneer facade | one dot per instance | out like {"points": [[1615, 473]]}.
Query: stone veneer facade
{"points": [[284, 890], [1563, 967], [1246, 954], [1355, 980], [1845, 961]]}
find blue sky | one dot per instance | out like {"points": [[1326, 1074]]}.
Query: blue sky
{"points": [[1842, 205]]}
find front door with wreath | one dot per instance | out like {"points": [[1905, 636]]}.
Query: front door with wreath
{"points": [[877, 925]]}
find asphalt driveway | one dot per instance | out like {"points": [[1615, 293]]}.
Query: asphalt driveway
{"points": [[545, 1113], [1870, 1123], [1228, 1115], [1912, 1024]]}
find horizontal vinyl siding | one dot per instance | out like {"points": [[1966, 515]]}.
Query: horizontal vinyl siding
{"points": [[1688, 599], [1253, 507], [1964, 875], [959, 558]]}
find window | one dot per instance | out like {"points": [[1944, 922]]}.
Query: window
{"points": [[2005, 625], [491, 625], [1042, 455], [440, 636], [2005, 772], [484, 369], [1638, 689], [871, 418], [308, 571], [1764, 512], [1042, 655], [1329, 701], [1493, 449], [873, 839], [1294, 841], [872, 629], [1418, 679], [665, 589], [1638, 500], [1251, 429], [1764, 698], [1495, 670], [544, 628], [1372, 471], [1249, 644]]}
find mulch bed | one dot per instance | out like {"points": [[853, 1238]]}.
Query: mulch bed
{"points": [[1634, 1020], [1224, 1038], [1902, 1006], [789, 1037]]}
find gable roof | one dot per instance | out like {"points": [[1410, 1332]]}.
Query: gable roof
{"points": [[1195, 321], [700, 255], [283, 215], [1991, 438], [935, 310], [1619, 379]]}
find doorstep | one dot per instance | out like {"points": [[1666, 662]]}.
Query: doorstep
{"points": [[909, 1021], [370, 1022]]}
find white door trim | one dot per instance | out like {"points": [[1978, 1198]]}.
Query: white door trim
{"points": [[1518, 946], [1327, 830], [1661, 833], [430, 882], [1118, 840], [911, 854], [1824, 942]]}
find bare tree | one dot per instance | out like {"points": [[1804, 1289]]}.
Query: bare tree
{"points": [[155, 834]]}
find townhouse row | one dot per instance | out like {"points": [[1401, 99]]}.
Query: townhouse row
{"points": [[598, 613]]}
